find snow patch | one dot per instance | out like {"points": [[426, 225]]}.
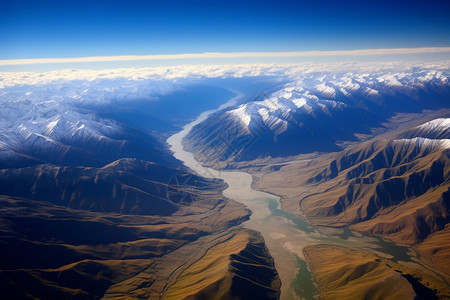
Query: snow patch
{"points": [[241, 114], [440, 124], [425, 143], [50, 126], [326, 91]]}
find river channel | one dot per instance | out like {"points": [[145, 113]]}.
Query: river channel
{"points": [[285, 235]]}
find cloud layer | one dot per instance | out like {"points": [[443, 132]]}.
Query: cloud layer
{"points": [[8, 79], [216, 55]]}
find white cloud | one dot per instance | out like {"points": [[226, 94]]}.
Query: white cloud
{"points": [[8, 79], [218, 55]]}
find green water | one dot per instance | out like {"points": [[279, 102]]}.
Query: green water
{"points": [[303, 283], [398, 253], [300, 223]]}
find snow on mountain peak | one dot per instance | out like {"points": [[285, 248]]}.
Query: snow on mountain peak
{"points": [[59, 105], [241, 114], [425, 143], [441, 124], [299, 102], [326, 91], [316, 93], [50, 126]]}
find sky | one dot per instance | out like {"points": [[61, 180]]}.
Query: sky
{"points": [[64, 29]]}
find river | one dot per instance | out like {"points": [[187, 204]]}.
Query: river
{"points": [[285, 235]]}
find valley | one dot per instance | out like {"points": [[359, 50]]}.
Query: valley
{"points": [[417, 219], [381, 201], [324, 185], [224, 150], [93, 205], [418, 223], [289, 236]]}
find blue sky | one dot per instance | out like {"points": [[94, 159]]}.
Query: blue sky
{"points": [[45, 29]]}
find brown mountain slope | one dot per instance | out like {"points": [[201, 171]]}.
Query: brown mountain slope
{"points": [[397, 188], [49, 251], [436, 250], [238, 268], [396, 185], [124, 186], [414, 220], [347, 273], [375, 183], [82, 230]]}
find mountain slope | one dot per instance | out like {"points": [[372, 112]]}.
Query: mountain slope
{"points": [[392, 186], [50, 251], [75, 231], [244, 272], [348, 273], [399, 188], [73, 138], [124, 186]]}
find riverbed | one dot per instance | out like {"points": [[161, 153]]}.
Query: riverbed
{"points": [[285, 235]]}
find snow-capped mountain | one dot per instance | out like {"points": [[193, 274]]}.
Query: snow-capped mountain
{"points": [[435, 129], [52, 131], [92, 122], [315, 112], [62, 123], [57, 132]]}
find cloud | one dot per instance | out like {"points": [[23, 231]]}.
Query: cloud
{"points": [[9, 79], [220, 55]]}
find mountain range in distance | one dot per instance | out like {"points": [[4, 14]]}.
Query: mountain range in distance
{"points": [[317, 112]]}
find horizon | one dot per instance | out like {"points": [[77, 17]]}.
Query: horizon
{"points": [[422, 54]]}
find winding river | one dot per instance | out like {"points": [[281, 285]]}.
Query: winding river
{"points": [[285, 235]]}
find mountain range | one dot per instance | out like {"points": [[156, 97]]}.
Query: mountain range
{"points": [[366, 152], [94, 205], [395, 185], [92, 198], [318, 112]]}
